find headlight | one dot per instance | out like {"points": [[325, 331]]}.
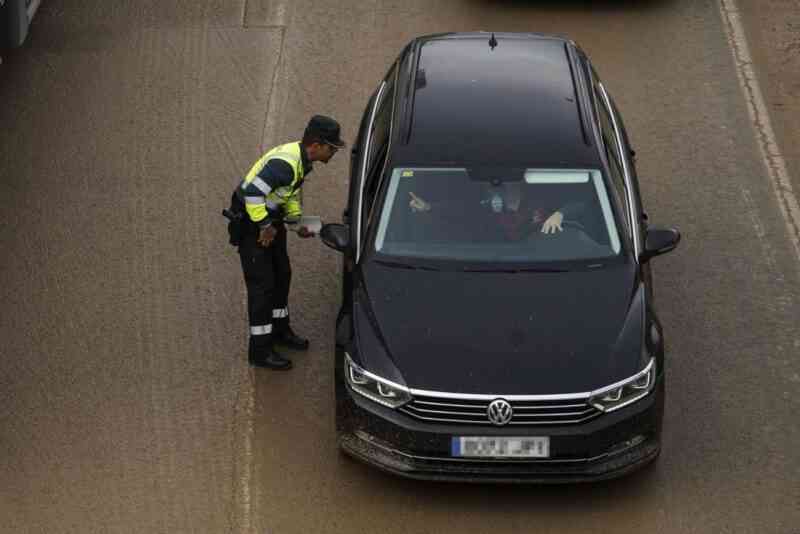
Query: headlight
{"points": [[374, 387], [625, 392]]}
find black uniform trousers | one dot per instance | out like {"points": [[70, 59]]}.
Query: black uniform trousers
{"points": [[267, 275]]}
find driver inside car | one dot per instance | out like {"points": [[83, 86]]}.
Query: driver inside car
{"points": [[506, 208]]}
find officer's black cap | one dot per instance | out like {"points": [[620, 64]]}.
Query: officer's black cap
{"points": [[326, 129]]}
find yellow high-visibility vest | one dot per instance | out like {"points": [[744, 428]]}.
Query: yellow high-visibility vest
{"points": [[269, 201]]}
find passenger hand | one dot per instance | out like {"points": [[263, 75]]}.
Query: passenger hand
{"points": [[304, 232], [553, 223], [266, 235], [417, 204]]}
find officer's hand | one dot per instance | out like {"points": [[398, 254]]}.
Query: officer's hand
{"points": [[304, 232], [553, 223], [266, 235], [417, 204]]}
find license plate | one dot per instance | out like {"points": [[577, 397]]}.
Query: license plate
{"points": [[501, 447]]}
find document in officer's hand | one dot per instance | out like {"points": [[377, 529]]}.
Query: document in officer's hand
{"points": [[312, 223]]}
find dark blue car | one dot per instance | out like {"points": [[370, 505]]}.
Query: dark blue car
{"points": [[497, 320]]}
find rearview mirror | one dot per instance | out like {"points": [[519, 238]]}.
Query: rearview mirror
{"points": [[336, 236], [660, 241]]}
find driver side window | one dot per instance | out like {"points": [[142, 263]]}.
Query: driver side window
{"points": [[614, 160], [378, 147]]}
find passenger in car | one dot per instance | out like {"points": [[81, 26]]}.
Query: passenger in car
{"points": [[506, 212]]}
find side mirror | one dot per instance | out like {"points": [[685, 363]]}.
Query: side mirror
{"points": [[660, 241], [336, 236]]}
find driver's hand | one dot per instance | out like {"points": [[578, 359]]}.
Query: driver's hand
{"points": [[553, 223], [417, 204]]}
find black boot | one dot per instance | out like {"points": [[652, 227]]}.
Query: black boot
{"points": [[264, 355], [286, 337]]}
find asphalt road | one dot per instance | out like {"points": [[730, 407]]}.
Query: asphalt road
{"points": [[126, 404]]}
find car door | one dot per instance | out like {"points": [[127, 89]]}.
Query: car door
{"points": [[623, 171], [639, 210], [357, 155], [367, 160]]}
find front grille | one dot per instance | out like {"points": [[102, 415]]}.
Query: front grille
{"points": [[525, 412]]}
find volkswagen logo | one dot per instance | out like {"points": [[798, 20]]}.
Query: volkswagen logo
{"points": [[499, 412]]}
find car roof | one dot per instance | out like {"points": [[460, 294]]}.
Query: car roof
{"points": [[513, 104]]}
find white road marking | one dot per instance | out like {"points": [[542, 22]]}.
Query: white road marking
{"points": [[268, 14], [245, 481], [278, 95], [759, 116]]}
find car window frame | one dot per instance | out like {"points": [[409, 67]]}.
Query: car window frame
{"points": [[378, 154], [374, 180], [620, 199], [356, 217], [619, 188], [602, 100], [375, 158], [633, 212], [610, 149], [357, 155], [385, 103], [629, 154]]}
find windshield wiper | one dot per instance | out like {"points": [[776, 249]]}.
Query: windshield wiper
{"points": [[514, 270], [400, 265]]}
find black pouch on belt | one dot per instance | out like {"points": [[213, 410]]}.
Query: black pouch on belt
{"points": [[236, 220]]}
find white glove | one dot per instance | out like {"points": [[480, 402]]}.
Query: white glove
{"points": [[417, 204], [553, 223]]}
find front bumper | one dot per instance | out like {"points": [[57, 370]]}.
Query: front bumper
{"points": [[609, 446]]}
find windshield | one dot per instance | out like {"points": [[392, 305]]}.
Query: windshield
{"points": [[497, 215]]}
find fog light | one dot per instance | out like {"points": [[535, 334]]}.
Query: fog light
{"points": [[627, 444]]}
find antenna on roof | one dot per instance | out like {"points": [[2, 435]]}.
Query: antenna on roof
{"points": [[492, 42]]}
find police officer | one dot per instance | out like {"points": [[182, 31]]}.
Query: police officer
{"points": [[269, 197]]}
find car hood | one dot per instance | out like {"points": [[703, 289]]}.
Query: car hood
{"points": [[501, 333]]}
